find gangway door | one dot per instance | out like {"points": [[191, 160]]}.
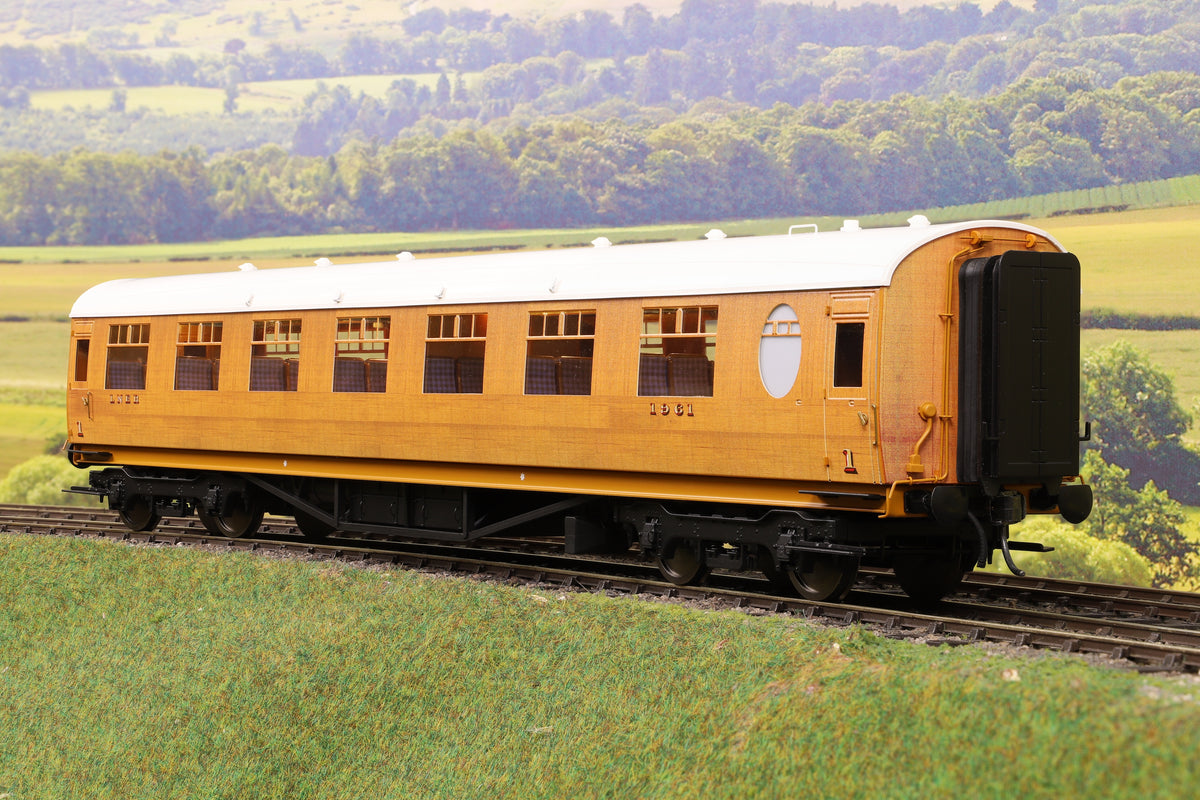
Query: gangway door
{"points": [[1019, 368]]}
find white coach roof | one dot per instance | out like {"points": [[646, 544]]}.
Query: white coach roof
{"points": [[848, 258]]}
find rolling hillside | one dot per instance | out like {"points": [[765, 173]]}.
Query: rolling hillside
{"points": [[186, 25], [209, 24]]}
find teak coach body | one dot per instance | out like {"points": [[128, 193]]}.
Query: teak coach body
{"points": [[796, 404]]}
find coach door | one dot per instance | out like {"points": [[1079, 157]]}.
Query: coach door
{"points": [[851, 408]]}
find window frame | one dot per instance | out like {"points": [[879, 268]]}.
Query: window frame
{"points": [[266, 344], [198, 339], [129, 340], [563, 340], [691, 333], [363, 355], [849, 354], [455, 352]]}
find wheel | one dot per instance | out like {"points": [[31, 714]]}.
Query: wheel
{"points": [[928, 578], [777, 577], [682, 565], [311, 527], [821, 577], [138, 514], [240, 520]]}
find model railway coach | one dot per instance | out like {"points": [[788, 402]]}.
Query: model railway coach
{"points": [[796, 404]]}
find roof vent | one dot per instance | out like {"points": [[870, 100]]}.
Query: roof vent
{"points": [[851, 225], [323, 262], [601, 241], [247, 267], [405, 256], [715, 235], [918, 221]]}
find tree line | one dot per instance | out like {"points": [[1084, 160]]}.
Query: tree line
{"points": [[1137, 441], [746, 52], [850, 157]]}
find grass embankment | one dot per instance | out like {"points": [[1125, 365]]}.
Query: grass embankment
{"points": [[174, 673]]}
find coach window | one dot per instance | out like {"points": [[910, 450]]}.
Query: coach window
{"points": [[197, 356], [128, 349], [454, 349], [558, 355], [779, 351], [848, 354], [360, 359], [275, 355], [82, 347], [676, 356]]}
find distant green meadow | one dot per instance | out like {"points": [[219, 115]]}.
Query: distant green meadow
{"points": [[1136, 261], [259, 96]]}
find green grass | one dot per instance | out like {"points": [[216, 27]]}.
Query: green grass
{"points": [[45, 292], [33, 359], [229, 253], [24, 431], [1135, 261], [43, 282], [1161, 193], [149, 673]]}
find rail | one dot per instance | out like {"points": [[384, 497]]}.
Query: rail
{"points": [[1148, 629]]}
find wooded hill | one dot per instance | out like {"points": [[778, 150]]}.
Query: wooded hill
{"points": [[720, 110]]}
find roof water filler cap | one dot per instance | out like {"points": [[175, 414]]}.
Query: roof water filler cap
{"points": [[247, 267], [405, 256], [851, 225], [716, 234], [323, 262], [601, 241], [918, 221]]}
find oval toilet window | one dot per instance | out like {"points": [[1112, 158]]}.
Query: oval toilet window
{"points": [[779, 351]]}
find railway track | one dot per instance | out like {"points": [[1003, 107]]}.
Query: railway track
{"points": [[1148, 629]]}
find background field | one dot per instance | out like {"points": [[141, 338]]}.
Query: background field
{"points": [[278, 96], [1138, 261], [325, 23]]}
